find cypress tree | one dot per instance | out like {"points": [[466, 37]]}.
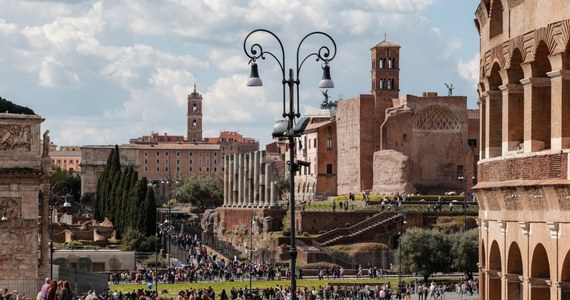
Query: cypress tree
{"points": [[148, 210]]}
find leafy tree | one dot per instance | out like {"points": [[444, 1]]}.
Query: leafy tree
{"points": [[200, 191], [8, 106], [135, 240], [424, 251], [465, 249]]}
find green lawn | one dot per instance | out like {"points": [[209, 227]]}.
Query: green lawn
{"points": [[173, 289]]}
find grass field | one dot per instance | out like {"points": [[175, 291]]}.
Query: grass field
{"points": [[171, 290]]}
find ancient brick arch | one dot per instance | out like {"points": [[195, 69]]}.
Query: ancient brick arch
{"points": [[514, 272], [540, 273], [495, 270]]}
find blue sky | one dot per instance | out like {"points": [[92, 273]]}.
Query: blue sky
{"points": [[102, 72]]}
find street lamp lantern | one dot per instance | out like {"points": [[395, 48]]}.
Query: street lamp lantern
{"points": [[63, 193], [292, 127]]}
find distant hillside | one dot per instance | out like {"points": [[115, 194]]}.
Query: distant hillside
{"points": [[9, 107]]}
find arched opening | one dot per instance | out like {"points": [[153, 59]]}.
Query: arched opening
{"points": [[496, 24], [494, 270], [514, 272], [540, 114], [514, 98], [494, 114], [540, 273], [565, 278]]}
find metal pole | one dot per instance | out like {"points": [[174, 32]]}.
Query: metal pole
{"points": [[51, 242], [156, 256], [250, 252], [292, 170]]}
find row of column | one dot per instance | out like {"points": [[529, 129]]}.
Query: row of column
{"points": [[528, 116], [248, 181]]}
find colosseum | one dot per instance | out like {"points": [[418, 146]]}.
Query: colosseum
{"points": [[523, 189]]}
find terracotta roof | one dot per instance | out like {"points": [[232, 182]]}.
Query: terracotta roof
{"points": [[387, 43]]}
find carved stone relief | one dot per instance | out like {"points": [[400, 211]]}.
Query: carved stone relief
{"points": [[15, 138]]}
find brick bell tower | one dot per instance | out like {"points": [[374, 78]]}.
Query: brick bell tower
{"points": [[385, 75], [194, 116]]}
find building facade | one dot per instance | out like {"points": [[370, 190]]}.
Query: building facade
{"points": [[385, 143], [317, 146], [524, 187], [160, 158]]}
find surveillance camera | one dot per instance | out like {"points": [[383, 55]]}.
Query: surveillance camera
{"points": [[303, 163]]}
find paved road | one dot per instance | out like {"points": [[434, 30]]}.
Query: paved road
{"points": [[450, 296]]}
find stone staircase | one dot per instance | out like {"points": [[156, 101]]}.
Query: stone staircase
{"points": [[342, 235]]}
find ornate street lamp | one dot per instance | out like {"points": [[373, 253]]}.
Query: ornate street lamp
{"points": [[293, 126], [63, 192]]}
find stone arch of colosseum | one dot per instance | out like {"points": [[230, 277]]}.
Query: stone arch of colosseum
{"points": [[514, 272], [494, 270], [540, 273], [527, 67]]}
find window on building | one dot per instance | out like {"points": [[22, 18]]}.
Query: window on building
{"points": [[165, 153], [177, 161], [314, 143], [190, 162], [157, 153], [381, 84], [158, 161], [215, 161], [200, 170], [329, 143], [405, 137], [200, 162], [329, 169], [207, 161], [381, 64], [145, 161], [146, 169], [190, 153], [177, 153], [145, 153], [390, 63], [215, 153], [177, 169], [166, 169], [166, 161], [389, 86], [190, 169], [207, 170], [158, 169]]}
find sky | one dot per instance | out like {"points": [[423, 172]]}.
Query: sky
{"points": [[103, 72]]}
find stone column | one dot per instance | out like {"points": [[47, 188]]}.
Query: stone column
{"points": [[560, 91], [240, 176], [234, 185], [273, 195], [256, 172], [482, 125], [537, 113], [493, 121], [513, 113], [250, 180], [226, 180], [267, 184]]}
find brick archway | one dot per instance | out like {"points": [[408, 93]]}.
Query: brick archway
{"points": [[514, 272], [494, 270], [540, 274]]}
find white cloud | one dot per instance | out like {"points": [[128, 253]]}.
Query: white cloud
{"points": [[470, 70], [53, 74]]}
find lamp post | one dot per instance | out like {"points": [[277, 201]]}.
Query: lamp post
{"points": [[287, 128], [66, 190], [462, 178], [400, 234], [250, 251]]}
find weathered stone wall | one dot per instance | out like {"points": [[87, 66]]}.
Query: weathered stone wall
{"points": [[355, 131], [24, 196], [393, 172]]}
